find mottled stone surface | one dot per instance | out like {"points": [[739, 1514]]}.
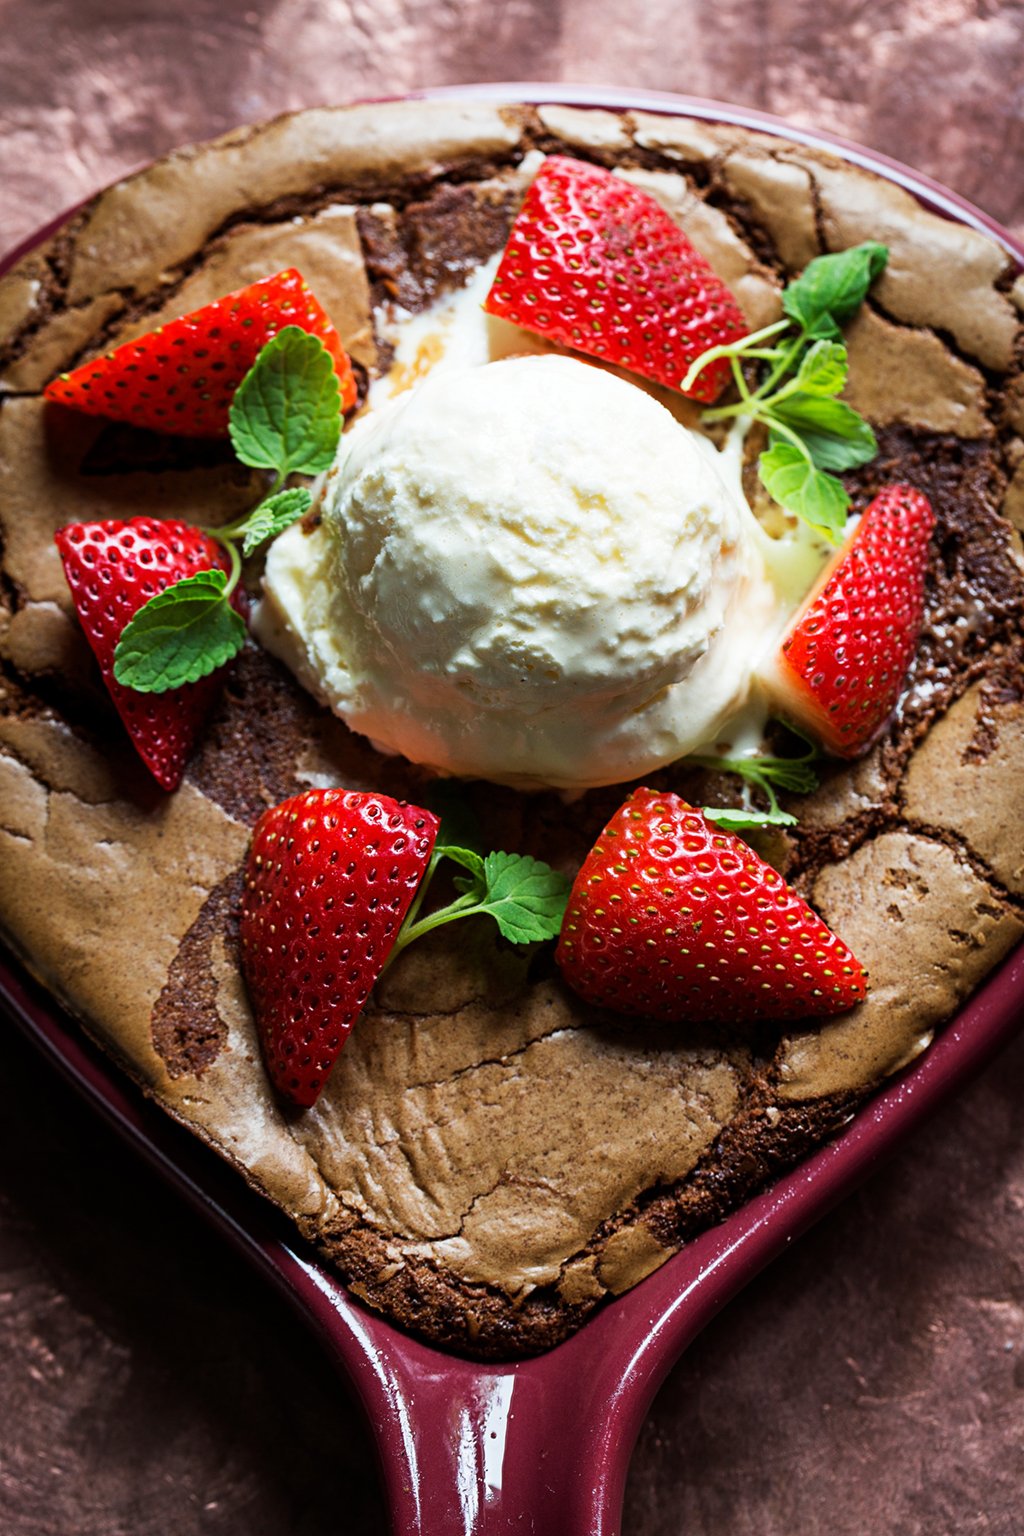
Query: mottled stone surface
{"points": [[874, 1379], [92, 88]]}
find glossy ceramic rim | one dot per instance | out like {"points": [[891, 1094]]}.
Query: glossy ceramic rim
{"points": [[464, 1444]]}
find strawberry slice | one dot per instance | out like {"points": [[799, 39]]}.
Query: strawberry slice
{"points": [[180, 378], [673, 919], [595, 264], [331, 874], [113, 568], [845, 655]]}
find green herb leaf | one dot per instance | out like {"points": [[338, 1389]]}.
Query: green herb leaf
{"points": [[792, 773], [273, 516], [286, 413], [796, 773], [811, 432], [763, 773], [469, 859], [182, 634], [526, 898], [823, 369], [794, 482], [736, 819], [833, 433], [831, 287]]}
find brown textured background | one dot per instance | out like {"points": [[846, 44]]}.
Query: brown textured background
{"points": [[873, 1380]]}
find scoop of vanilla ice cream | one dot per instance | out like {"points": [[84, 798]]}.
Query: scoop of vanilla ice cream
{"points": [[524, 572]]}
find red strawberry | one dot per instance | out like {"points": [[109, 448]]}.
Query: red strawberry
{"points": [[180, 378], [673, 919], [846, 653], [331, 875], [595, 264], [113, 568]]}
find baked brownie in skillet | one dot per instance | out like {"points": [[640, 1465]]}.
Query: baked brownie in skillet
{"points": [[492, 1159]]}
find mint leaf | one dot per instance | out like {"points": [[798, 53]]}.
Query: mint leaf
{"points": [[795, 773], [273, 516], [763, 773], [823, 369], [833, 433], [469, 859], [831, 287], [810, 431], [795, 483], [526, 898], [182, 634], [735, 819], [792, 773], [286, 413]]}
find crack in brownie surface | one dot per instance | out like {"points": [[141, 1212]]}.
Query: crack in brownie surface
{"points": [[492, 1160]]}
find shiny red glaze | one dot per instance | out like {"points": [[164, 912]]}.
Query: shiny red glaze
{"points": [[543, 1446]]}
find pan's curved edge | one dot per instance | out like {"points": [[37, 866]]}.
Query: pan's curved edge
{"points": [[623, 99], [466, 1446], [449, 1427]]}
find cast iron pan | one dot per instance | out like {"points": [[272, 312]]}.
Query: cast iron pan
{"points": [[542, 1446]]}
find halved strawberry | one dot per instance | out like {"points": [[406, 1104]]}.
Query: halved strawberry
{"points": [[673, 919], [113, 568], [844, 658], [595, 264], [181, 377], [331, 874]]}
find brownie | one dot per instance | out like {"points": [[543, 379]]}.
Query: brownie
{"points": [[492, 1159]]}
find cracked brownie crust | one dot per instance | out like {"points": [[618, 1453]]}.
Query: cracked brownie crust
{"points": [[491, 1159]]}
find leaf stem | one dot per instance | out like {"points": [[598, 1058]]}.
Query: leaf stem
{"points": [[417, 901], [729, 349], [740, 381], [786, 360], [464, 906], [236, 568], [228, 531], [793, 437]]}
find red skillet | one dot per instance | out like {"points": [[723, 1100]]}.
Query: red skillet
{"points": [[543, 1446]]}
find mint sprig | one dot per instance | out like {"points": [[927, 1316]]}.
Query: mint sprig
{"points": [[273, 516], [832, 288], [763, 773], [285, 416], [819, 499], [158, 648], [524, 896], [811, 434]]}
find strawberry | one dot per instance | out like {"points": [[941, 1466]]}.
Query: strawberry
{"points": [[845, 655], [180, 378], [673, 919], [330, 876], [595, 264], [113, 568]]}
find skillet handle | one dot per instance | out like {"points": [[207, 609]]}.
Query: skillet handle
{"points": [[537, 1448], [475, 1451]]}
